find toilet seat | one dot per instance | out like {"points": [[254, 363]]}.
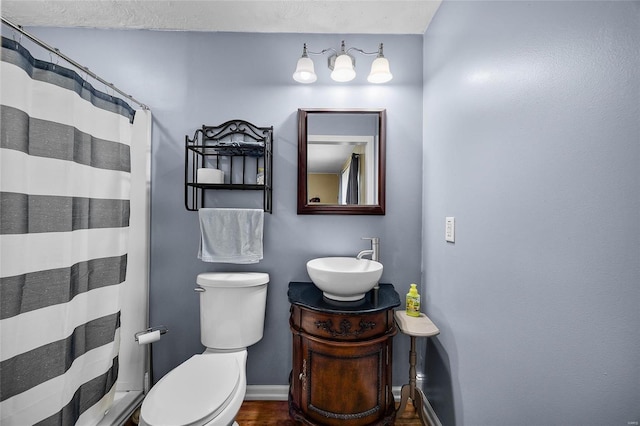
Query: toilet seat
{"points": [[193, 393]]}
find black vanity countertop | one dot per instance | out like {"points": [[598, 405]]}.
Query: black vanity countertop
{"points": [[307, 295]]}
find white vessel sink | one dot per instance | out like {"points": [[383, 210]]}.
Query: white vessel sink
{"points": [[344, 278]]}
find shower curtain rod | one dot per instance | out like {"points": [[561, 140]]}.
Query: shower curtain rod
{"points": [[71, 61]]}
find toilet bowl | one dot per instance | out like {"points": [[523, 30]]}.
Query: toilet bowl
{"points": [[205, 390]]}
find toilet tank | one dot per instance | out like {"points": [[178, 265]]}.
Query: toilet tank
{"points": [[232, 308]]}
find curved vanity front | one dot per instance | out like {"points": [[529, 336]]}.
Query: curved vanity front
{"points": [[342, 357]]}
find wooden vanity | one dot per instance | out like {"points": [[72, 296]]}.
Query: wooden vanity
{"points": [[342, 357]]}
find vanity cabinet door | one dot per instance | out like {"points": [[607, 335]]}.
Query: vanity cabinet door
{"points": [[346, 384]]}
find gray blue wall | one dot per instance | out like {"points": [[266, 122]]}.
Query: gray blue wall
{"points": [[527, 117], [191, 79], [532, 141]]}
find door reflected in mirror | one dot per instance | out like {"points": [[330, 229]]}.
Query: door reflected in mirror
{"points": [[341, 164]]}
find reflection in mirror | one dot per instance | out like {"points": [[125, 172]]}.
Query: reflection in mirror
{"points": [[341, 169], [341, 161]]}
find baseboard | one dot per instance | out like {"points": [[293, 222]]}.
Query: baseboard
{"points": [[281, 393], [267, 393], [396, 392], [429, 413]]}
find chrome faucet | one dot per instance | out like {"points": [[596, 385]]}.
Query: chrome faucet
{"points": [[374, 252], [375, 255]]}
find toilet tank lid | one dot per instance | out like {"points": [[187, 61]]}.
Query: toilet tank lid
{"points": [[232, 279]]}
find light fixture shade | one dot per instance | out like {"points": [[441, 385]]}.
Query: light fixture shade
{"points": [[343, 69], [380, 71], [305, 72]]}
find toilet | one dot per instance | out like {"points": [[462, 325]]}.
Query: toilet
{"points": [[208, 388]]}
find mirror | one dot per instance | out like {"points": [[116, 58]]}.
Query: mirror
{"points": [[341, 161]]}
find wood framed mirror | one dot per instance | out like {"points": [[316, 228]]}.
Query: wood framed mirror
{"points": [[341, 161]]}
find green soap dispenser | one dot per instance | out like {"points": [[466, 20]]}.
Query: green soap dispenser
{"points": [[413, 302]]}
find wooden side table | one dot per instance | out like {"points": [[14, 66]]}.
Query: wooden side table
{"points": [[414, 327]]}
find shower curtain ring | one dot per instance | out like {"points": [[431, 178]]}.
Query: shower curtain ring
{"points": [[57, 53], [13, 35]]}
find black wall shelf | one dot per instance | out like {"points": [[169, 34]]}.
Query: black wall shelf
{"points": [[237, 147]]}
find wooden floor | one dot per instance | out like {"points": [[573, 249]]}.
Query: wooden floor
{"points": [[276, 413]]}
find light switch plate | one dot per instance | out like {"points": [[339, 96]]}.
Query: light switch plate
{"points": [[450, 229]]}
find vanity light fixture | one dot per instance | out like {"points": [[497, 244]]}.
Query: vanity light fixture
{"points": [[342, 65]]}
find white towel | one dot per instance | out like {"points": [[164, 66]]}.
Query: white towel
{"points": [[231, 235]]}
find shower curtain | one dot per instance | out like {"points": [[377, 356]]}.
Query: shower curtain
{"points": [[353, 184], [64, 193]]}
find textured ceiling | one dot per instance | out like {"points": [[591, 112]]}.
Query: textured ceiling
{"points": [[284, 16]]}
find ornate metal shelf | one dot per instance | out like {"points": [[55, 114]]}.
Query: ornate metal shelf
{"points": [[245, 186], [237, 147], [229, 150]]}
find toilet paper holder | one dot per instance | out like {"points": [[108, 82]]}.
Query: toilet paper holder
{"points": [[161, 328]]}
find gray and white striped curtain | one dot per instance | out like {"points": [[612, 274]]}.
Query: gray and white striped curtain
{"points": [[64, 192]]}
